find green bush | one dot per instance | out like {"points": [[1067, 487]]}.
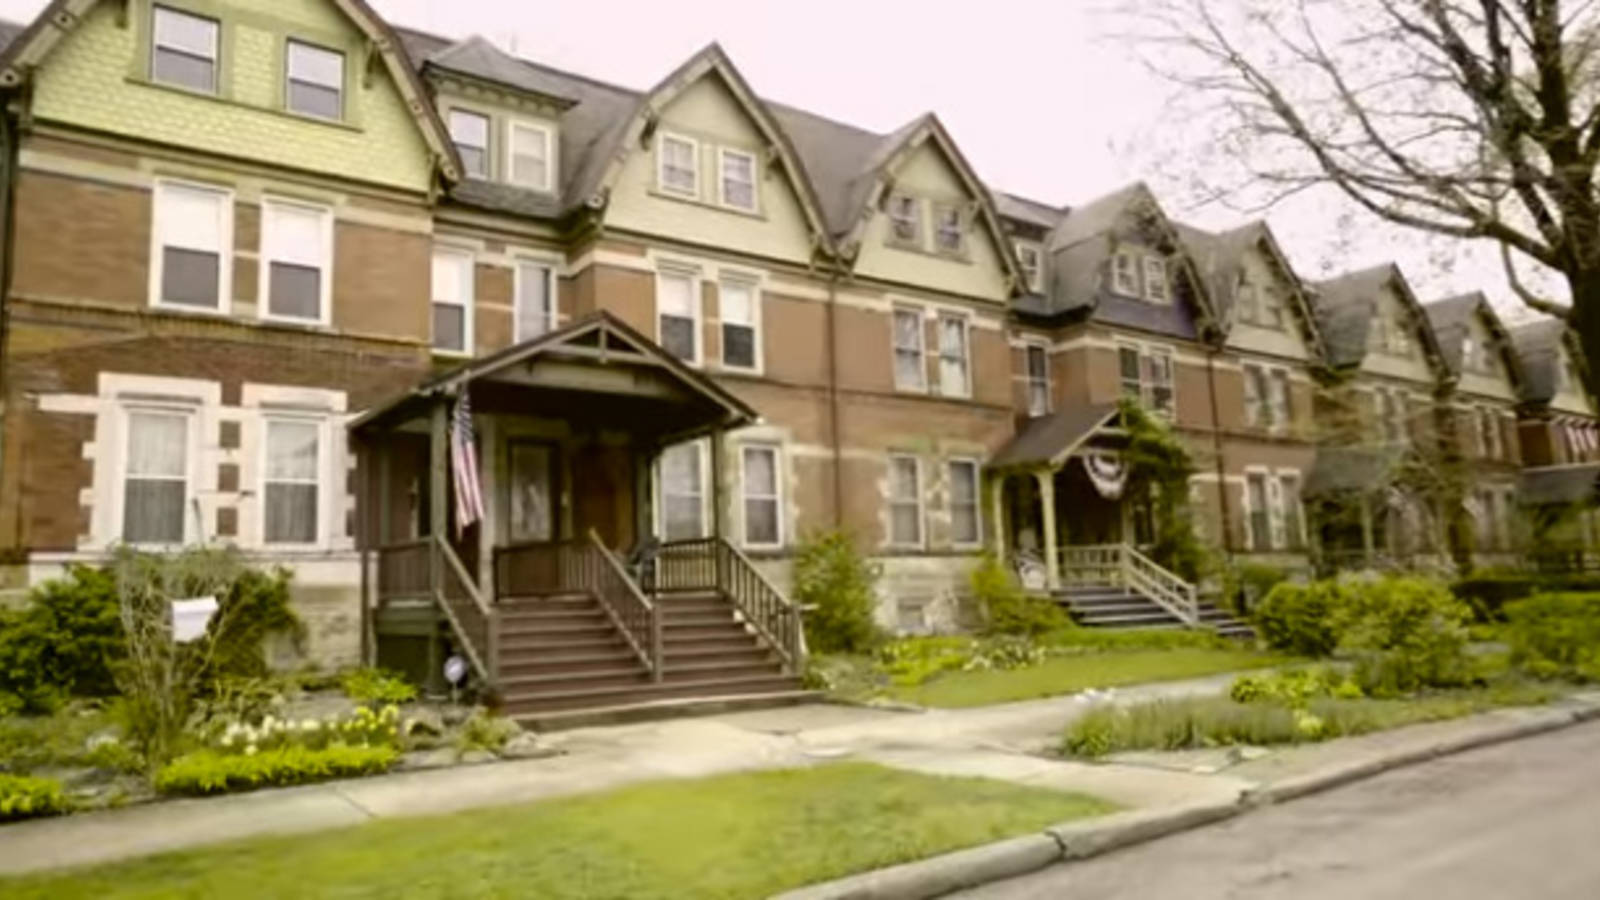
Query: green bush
{"points": [[210, 772], [837, 587], [363, 728], [1404, 634], [1008, 609], [256, 607], [910, 662], [1301, 618], [26, 797], [61, 642], [377, 686], [485, 732], [1296, 687], [1488, 592], [1556, 635]]}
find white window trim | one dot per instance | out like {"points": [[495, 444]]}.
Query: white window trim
{"points": [[1146, 387], [977, 500], [324, 480], [1153, 262], [192, 415], [1130, 290], [753, 284], [696, 308], [755, 180], [777, 496], [1267, 479], [1034, 278], [488, 139], [225, 252], [966, 351], [1028, 381], [549, 153], [923, 384], [707, 520], [922, 505], [265, 260], [941, 206], [344, 79], [552, 283], [661, 165], [216, 50], [469, 301], [1300, 483]]}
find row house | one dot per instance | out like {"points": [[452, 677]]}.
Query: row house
{"points": [[272, 268]]}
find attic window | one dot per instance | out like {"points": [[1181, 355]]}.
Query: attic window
{"points": [[948, 235], [1156, 289], [469, 131], [905, 219], [679, 162], [1028, 255], [530, 155], [738, 179], [183, 50], [1271, 307], [1124, 274], [315, 81]]}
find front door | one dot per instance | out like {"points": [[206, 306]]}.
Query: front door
{"points": [[531, 491]]}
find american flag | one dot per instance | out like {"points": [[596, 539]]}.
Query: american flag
{"points": [[464, 466]]}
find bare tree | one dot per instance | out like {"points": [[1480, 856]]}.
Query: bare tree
{"points": [[1473, 119]]}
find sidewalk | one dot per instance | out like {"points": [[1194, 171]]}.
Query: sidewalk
{"points": [[1000, 742]]}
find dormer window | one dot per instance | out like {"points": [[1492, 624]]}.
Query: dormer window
{"points": [[315, 81], [1156, 289], [1124, 274], [183, 50], [1245, 302], [530, 155], [470, 133], [1271, 306], [738, 179], [905, 219], [1032, 264], [679, 165], [948, 235]]}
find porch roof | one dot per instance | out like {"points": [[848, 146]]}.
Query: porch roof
{"points": [[596, 367], [1552, 485], [1047, 441]]}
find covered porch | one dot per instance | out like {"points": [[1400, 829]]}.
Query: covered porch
{"points": [[509, 509]]}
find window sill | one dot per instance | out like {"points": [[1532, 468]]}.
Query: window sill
{"points": [[697, 200], [960, 258], [145, 81], [199, 312]]}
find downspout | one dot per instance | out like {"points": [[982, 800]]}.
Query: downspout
{"points": [[10, 129], [1226, 507], [833, 398]]}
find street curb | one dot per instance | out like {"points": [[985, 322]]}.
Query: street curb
{"points": [[1078, 840]]}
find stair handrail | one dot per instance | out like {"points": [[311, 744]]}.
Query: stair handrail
{"points": [[773, 615], [638, 613], [1160, 584], [485, 661]]}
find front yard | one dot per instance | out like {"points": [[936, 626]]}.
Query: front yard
{"points": [[730, 836]]}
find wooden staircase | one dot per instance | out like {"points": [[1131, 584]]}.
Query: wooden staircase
{"points": [[1116, 586], [1110, 606]]}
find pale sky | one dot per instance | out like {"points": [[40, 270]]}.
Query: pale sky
{"points": [[1042, 100]]}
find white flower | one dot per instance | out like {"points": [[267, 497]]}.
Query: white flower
{"points": [[310, 725], [227, 740], [250, 750]]}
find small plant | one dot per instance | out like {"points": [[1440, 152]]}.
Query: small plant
{"points": [[1295, 688], [362, 728], [838, 589], [210, 772], [1009, 609], [1301, 618], [484, 732], [1404, 634], [27, 797], [377, 686], [61, 643], [1556, 636]]}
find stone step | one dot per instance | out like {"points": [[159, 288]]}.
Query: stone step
{"points": [[519, 704], [663, 708]]}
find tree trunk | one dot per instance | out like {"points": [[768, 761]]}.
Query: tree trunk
{"points": [[1585, 320]]}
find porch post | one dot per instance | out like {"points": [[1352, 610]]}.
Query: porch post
{"points": [[488, 526], [1368, 545], [438, 518], [363, 523], [719, 515], [997, 513], [1047, 500]]}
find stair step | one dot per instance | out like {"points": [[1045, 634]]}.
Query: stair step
{"points": [[546, 682], [675, 641], [513, 665], [517, 704], [565, 598], [590, 617], [749, 651], [691, 631], [691, 618], [661, 708], [1129, 619], [537, 642], [719, 670]]}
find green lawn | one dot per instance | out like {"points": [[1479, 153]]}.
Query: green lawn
{"points": [[1067, 674], [730, 836]]}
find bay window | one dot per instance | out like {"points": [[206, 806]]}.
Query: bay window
{"points": [[452, 300], [1037, 358], [682, 478], [535, 300]]}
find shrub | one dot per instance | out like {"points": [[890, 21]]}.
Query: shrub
{"points": [[26, 797], [837, 587], [485, 732], [1295, 688], [1300, 618], [1487, 593], [1556, 635], [1404, 634], [377, 686], [61, 643], [210, 772], [1008, 609], [362, 728]]}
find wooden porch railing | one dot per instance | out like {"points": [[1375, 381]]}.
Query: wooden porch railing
{"points": [[406, 571], [629, 609], [714, 564], [1122, 565], [530, 568]]}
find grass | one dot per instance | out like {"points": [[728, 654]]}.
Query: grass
{"points": [[1067, 674], [1197, 722], [60, 739], [729, 836]]}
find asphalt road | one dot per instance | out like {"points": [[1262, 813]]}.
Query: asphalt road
{"points": [[1518, 821]]}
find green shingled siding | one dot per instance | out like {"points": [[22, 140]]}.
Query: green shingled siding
{"points": [[95, 78]]}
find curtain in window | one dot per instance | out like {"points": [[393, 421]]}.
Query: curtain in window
{"points": [[964, 503], [953, 356], [675, 302], [905, 502], [157, 478], [908, 370], [535, 309], [760, 495], [291, 483], [682, 493]]}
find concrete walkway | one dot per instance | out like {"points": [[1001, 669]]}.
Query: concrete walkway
{"points": [[995, 741]]}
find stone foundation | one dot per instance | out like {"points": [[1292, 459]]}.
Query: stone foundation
{"points": [[916, 594]]}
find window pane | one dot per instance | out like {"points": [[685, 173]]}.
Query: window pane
{"points": [[739, 346], [682, 518], [737, 303], [760, 472], [530, 156], [904, 213], [316, 65], [191, 218], [449, 326], [908, 368], [679, 168], [291, 514], [738, 180], [296, 291], [906, 525], [180, 31], [531, 508], [474, 160], [296, 234], [292, 451], [948, 234], [315, 100], [760, 521], [450, 272], [157, 445], [677, 337], [172, 67], [1128, 358], [903, 479], [682, 493], [675, 295], [534, 315], [153, 512], [470, 132], [908, 329], [190, 277], [680, 469]]}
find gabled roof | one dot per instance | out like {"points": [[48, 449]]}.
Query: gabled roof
{"points": [[1220, 256], [1451, 319], [1047, 441], [478, 58], [1028, 212], [1346, 306], [593, 337], [28, 50], [1538, 345]]}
